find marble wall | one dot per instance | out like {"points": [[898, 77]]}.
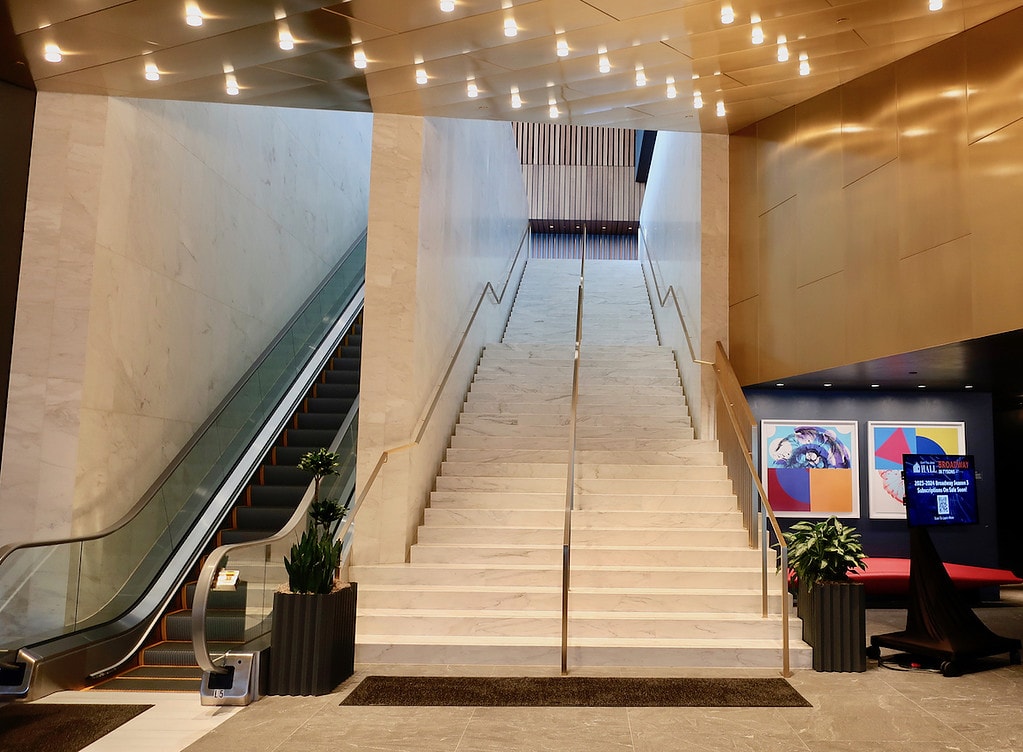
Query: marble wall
{"points": [[882, 216], [447, 212], [685, 238], [165, 244]]}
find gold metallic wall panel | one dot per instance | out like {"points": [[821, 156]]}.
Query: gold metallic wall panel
{"points": [[872, 262], [995, 189], [995, 76], [817, 165], [888, 209], [744, 341], [870, 137], [743, 224], [932, 147]]}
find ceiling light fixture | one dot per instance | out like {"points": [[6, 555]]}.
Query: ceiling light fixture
{"points": [[52, 53], [285, 40], [359, 59], [804, 64], [671, 92], [516, 100], [152, 72], [933, 5], [193, 16], [562, 47], [697, 100], [721, 109], [640, 76], [783, 48], [727, 14], [421, 77], [232, 85], [471, 89], [757, 32], [554, 111], [875, 386], [604, 65], [447, 5], [510, 29]]}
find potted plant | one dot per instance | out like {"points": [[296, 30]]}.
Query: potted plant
{"points": [[833, 609], [313, 630]]}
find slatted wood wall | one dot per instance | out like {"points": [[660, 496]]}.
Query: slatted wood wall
{"points": [[569, 246], [577, 173]]}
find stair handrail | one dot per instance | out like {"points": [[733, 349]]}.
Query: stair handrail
{"points": [[566, 546], [208, 574], [743, 424], [154, 488], [424, 420]]}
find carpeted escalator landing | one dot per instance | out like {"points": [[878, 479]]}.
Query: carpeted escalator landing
{"points": [[167, 662]]}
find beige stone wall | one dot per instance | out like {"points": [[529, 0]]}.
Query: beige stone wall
{"points": [[165, 244], [447, 211], [685, 223], [883, 216]]}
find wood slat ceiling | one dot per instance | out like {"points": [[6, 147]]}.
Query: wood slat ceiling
{"points": [[106, 45]]}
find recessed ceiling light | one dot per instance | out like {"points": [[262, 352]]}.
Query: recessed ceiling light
{"points": [[874, 386], [783, 48], [697, 100], [780, 383], [52, 53], [472, 90], [670, 92], [562, 47], [359, 59], [231, 85], [421, 77], [640, 76], [921, 386], [193, 16], [516, 100], [603, 64], [510, 29], [721, 109], [757, 33], [804, 64], [828, 383], [285, 40], [727, 14], [152, 72], [968, 386], [934, 5], [447, 5]]}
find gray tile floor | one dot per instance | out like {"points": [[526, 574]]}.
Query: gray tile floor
{"points": [[881, 710]]}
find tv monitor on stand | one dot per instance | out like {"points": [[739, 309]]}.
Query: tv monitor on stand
{"points": [[941, 490]]}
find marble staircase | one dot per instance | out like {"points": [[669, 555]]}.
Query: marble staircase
{"points": [[661, 571]]}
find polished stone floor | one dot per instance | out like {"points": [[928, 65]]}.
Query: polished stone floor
{"points": [[881, 710]]}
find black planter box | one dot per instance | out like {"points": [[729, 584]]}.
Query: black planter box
{"points": [[312, 642], [834, 623]]}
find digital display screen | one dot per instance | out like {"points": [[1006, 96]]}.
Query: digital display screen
{"points": [[941, 489]]}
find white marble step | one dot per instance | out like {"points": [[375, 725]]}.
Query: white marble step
{"points": [[583, 555], [624, 600], [476, 438], [723, 503], [490, 370], [581, 518], [705, 457], [588, 408], [656, 487], [599, 392], [563, 419], [591, 434], [504, 535], [546, 652], [536, 575], [583, 470]]}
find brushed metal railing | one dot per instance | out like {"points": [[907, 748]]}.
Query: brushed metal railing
{"points": [[438, 390], [733, 427], [566, 546]]}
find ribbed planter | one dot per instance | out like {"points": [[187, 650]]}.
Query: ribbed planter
{"points": [[836, 614], [312, 642]]}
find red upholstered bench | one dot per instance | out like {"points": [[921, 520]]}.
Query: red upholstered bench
{"points": [[885, 576]]}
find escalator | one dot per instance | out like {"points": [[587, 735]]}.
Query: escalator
{"points": [[270, 498], [113, 610]]}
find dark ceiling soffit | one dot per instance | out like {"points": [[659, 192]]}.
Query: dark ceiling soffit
{"points": [[13, 63], [644, 153]]}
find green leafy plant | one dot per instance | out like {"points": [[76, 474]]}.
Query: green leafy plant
{"points": [[316, 557], [824, 551]]}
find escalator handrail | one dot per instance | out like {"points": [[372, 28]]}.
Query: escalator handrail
{"points": [[8, 549], [208, 573]]}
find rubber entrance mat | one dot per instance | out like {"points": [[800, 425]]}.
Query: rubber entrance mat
{"points": [[53, 727], [576, 692]]}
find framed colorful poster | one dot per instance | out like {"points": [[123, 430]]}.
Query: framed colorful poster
{"points": [[887, 442], [809, 467]]}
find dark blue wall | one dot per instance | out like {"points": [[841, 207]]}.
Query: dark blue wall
{"points": [[969, 544]]}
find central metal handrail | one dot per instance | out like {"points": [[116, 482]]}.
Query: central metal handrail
{"points": [[566, 547], [732, 401], [424, 420]]}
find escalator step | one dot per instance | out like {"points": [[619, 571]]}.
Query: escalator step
{"points": [[310, 437], [349, 352], [330, 421], [345, 364], [283, 474], [355, 340], [341, 377], [178, 652], [220, 600], [329, 405], [230, 537], [288, 456], [336, 391], [262, 518], [276, 496], [221, 626]]}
